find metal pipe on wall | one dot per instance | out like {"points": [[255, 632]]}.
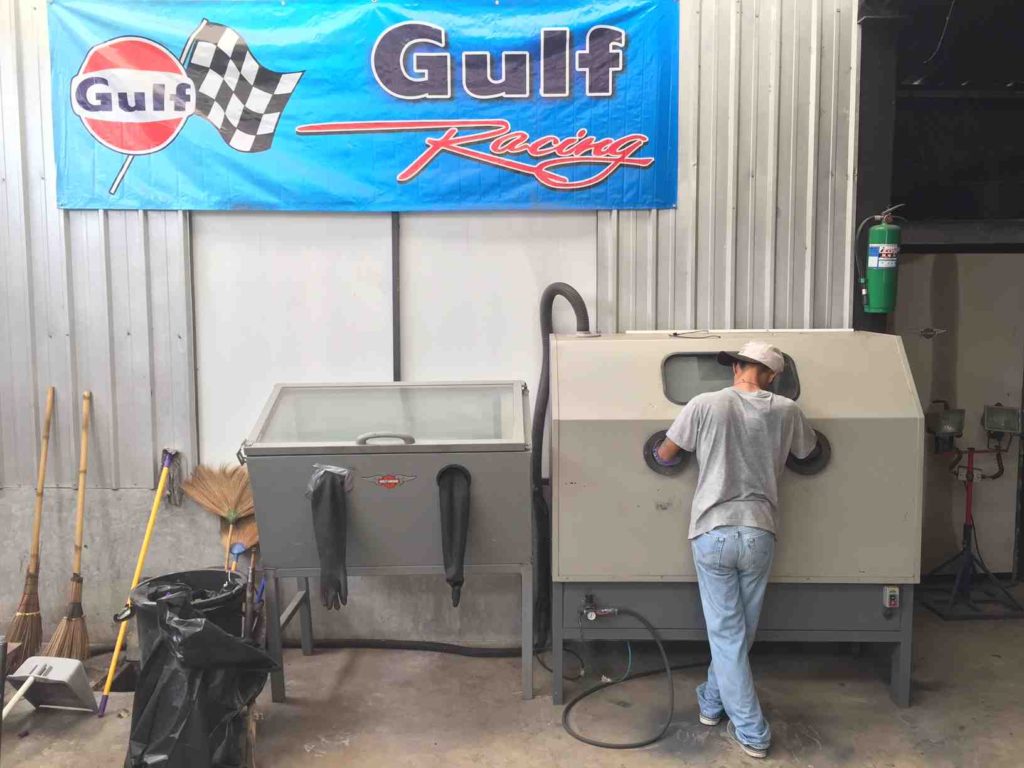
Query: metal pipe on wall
{"points": [[396, 300]]}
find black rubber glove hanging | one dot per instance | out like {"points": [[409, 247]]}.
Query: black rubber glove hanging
{"points": [[330, 520], [453, 488]]}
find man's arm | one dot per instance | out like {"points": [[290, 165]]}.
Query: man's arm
{"points": [[809, 451], [805, 439], [681, 436]]}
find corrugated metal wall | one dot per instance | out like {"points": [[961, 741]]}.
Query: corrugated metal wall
{"points": [[88, 300], [767, 132], [760, 237]]}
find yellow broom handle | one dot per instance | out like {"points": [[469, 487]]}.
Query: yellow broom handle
{"points": [[44, 450], [140, 563], [83, 468]]}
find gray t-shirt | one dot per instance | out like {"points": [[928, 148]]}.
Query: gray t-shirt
{"points": [[741, 440]]}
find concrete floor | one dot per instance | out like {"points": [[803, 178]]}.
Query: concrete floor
{"points": [[826, 706]]}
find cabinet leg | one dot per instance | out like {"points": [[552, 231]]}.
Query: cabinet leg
{"points": [[557, 640], [902, 656], [306, 618], [527, 633], [273, 599], [899, 682]]}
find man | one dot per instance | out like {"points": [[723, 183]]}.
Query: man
{"points": [[741, 436]]}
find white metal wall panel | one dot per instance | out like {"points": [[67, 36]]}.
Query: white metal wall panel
{"points": [[282, 297], [91, 300], [767, 135], [470, 284]]}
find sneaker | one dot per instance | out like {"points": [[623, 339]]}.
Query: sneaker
{"points": [[751, 751], [709, 720]]}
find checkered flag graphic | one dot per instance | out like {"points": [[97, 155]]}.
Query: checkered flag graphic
{"points": [[239, 96]]}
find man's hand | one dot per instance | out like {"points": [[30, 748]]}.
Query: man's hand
{"points": [[664, 456], [668, 454]]}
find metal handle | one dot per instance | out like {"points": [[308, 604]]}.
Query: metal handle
{"points": [[125, 613], [367, 436], [37, 672]]}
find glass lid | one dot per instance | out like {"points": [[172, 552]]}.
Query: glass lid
{"points": [[391, 415]]}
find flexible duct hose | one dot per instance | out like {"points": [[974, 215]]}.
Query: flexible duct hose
{"points": [[541, 512]]}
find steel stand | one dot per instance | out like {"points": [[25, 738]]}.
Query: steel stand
{"points": [[968, 563]]}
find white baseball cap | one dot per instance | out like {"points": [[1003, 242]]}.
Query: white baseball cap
{"points": [[761, 352]]}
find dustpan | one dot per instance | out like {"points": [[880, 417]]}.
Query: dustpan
{"points": [[55, 682]]}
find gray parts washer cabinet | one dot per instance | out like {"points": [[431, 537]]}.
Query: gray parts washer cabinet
{"points": [[849, 546], [399, 441]]}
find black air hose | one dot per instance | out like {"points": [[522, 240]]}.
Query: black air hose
{"points": [[541, 512]]}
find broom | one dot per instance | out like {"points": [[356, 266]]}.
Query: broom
{"points": [[71, 639], [225, 492], [27, 626]]}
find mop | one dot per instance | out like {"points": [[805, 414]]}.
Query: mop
{"points": [[27, 625], [168, 460], [71, 639]]}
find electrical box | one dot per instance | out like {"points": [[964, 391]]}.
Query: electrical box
{"points": [[891, 597]]}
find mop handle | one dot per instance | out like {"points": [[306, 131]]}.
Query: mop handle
{"points": [[160, 488], [32, 676]]}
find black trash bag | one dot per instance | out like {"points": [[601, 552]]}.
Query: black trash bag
{"points": [[189, 709]]}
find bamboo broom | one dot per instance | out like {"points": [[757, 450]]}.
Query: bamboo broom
{"points": [[27, 626], [71, 639]]}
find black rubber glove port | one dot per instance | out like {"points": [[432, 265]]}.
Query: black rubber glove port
{"points": [[330, 527], [453, 488], [671, 470], [816, 462]]}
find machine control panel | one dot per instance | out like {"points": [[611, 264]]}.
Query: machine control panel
{"points": [[891, 597]]}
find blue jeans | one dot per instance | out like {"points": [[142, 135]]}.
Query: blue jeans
{"points": [[732, 571]]}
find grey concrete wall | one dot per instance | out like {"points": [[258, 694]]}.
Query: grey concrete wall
{"points": [[409, 607], [979, 300], [928, 299]]}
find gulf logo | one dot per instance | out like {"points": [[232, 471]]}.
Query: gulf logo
{"points": [[133, 95]]}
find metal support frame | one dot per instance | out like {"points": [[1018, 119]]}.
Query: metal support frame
{"points": [[278, 619], [901, 641], [963, 601]]}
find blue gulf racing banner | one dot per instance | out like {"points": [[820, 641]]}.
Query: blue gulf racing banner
{"points": [[365, 106]]}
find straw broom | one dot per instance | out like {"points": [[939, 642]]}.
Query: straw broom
{"points": [[225, 492], [27, 626], [71, 639]]}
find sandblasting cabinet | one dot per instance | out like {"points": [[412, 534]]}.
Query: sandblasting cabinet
{"points": [[400, 443], [849, 538]]}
